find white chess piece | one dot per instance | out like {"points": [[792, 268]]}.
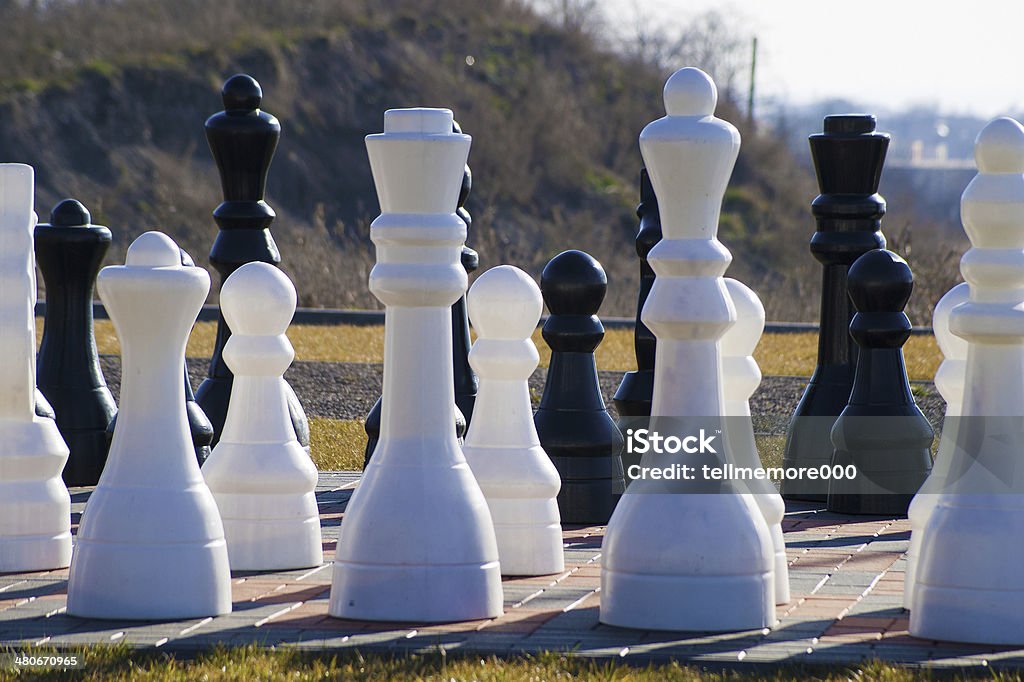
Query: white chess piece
{"points": [[151, 543], [263, 480], [949, 380], [417, 543], [35, 508], [694, 555], [517, 477], [969, 586], [741, 376]]}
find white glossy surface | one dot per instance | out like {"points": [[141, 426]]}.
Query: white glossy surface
{"points": [[35, 508], [673, 560], [263, 481], [949, 380], [741, 376], [969, 586], [517, 478], [151, 544], [418, 543]]}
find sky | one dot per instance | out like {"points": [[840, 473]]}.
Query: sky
{"points": [[960, 57]]}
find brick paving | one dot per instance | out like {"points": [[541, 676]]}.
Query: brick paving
{"points": [[846, 576]]}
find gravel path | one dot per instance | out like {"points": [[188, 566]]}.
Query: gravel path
{"points": [[348, 390]]}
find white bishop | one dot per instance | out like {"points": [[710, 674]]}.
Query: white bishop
{"points": [[968, 583], [696, 555]]}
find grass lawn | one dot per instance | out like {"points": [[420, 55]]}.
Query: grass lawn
{"points": [[116, 663], [777, 354]]}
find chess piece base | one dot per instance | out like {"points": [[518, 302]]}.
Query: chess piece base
{"points": [[35, 507], [404, 556], [694, 562], [968, 586], [129, 581], [271, 532], [529, 535], [429, 594]]}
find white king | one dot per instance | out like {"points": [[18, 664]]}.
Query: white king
{"points": [[418, 542]]}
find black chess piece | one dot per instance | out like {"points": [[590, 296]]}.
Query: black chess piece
{"points": [[242, 139], [881, 432], [69, 252], [199, 426], [466, 382], [635, 393], [848, 159], [572, 422]]}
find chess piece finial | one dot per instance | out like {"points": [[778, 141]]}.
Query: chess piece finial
{"points": [[262, 479], [651, 575], [502, 447], [881, 432], [69, 252], [740, 378], [35, 507], [848, 158], [151, 543], [969, 587], [574, 426], [242, 139], [949, 380], [395, 560]]}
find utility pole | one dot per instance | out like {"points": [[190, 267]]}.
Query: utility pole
{"points": [[753, 73]]}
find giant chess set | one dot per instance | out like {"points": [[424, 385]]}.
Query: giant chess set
{"points": [[465, 482]]}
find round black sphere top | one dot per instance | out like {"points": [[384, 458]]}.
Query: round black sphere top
{"points": [[241, 92], [880, 282], [573, 283], [70, 213], [849, 124]]}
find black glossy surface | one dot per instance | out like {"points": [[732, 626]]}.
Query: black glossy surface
{"points": [[635, 393], [881, 431], [242, 139], [848, 159], [572, 422], [69, 252]]}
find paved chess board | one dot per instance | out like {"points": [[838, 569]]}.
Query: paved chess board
{"points": [[846, 576]]}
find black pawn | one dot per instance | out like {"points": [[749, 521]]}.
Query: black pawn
{"points": [[572, 422], [635, 393], [848, 159], [881, 432], [199, 425], [243, 140], [69, 252], [466, 382]]}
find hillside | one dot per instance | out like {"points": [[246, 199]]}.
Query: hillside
{"points": [[117, 122]]}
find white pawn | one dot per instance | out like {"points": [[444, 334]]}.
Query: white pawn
{"points": [[694, 555], [949, 380], [517, 477], [35, 508], [418, 543], [262, 478], [151, 543], [969, 586], [741, 376]]}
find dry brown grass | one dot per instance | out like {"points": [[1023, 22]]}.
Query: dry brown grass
{"points": [[337, 444], [777, 354]]}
